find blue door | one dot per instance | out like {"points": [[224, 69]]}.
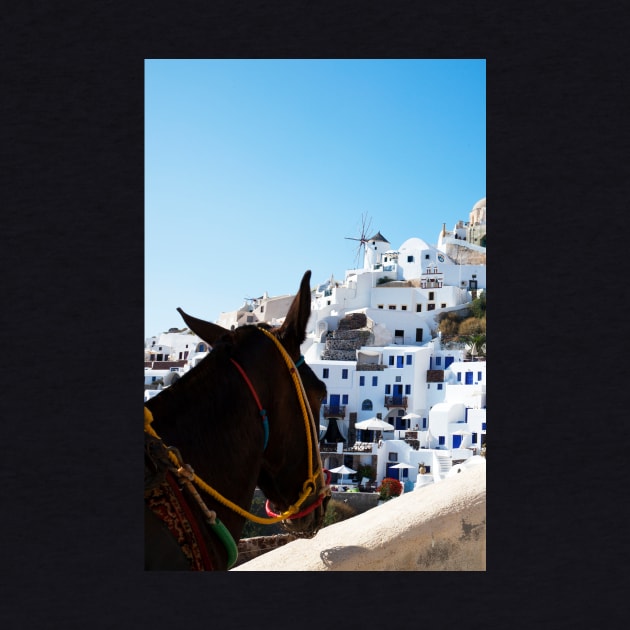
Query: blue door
{"points": [[457, 440], [397, 395], [469, 378], [334, 404], [448, 361]]}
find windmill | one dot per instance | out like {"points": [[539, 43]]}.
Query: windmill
{"points": [[366, 224]]}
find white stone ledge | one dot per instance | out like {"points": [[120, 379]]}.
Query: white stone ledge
{"points": [[441, 527]]}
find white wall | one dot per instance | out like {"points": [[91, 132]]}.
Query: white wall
{"points": [[440, 527]]}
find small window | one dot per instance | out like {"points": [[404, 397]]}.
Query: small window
{"points": [[407, 390], [478, 376], [430, 307], [374, 381], [392, 307], [398, 379], [262, 309], [380, 306], [391, 360], [366, 405], [428, 385], [408, 359], [441, 440], [432, 295], [418, 308], [393, 457], [443, 305], [325, 373], [474, 438], [483, 426], [418, 334], [459, 377], [403, 307], [409, 258], [361, 381], [424, 423], [344, 399], [399, 362], [426, 256], [439, 386], [344, 373], [388, 390], [438, 360]]}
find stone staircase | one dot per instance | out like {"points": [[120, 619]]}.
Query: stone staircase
{"points": [[351, 334], [444, 464]]}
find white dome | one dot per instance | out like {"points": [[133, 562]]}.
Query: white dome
{"points": [[478, 213]]}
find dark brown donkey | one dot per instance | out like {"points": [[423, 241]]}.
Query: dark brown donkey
{"points": [[246, 416]]}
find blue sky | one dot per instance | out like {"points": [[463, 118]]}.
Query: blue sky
{"points": [[256, 170]]}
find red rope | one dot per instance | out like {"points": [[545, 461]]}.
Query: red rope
{"points": [[249, 384]]}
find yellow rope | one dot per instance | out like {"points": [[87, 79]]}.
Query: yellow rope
{"points": [[309, 485]]}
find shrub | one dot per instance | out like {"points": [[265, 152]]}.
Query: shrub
{"points": [[478, 306], [448, 327], [472, 326], [365, 470], [338, 511], [389, 489]]}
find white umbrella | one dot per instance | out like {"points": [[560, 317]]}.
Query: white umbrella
{"points": [[374, 424], [462, 433], [342, 470], [402, 465], [412, 416]]}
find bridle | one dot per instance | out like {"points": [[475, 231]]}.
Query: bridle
{"points": [[187, 474]]}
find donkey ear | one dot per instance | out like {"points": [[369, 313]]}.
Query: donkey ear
{"points": [[293, 330], [207, 331]]}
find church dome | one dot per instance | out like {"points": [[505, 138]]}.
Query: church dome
{"points": [[478, 212]]}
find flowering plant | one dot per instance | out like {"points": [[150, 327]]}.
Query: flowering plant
{"points": [[389, 488]]}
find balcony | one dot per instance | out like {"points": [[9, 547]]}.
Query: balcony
{"points": [[396, 401], [334, 411]]}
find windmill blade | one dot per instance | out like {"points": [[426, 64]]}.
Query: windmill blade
{"points": [[366, 224]]}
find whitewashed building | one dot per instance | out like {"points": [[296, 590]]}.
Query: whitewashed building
{"points": [[372, 339]]}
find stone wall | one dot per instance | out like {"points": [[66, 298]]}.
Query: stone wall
{"points": [[359, 501], [465, 256], [440, 527], [250, 548], [342, 345]]}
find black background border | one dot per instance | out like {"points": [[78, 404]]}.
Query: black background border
{"points": [[72, 257]]}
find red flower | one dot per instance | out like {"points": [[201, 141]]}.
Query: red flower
{"points": [[390, 488]]}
